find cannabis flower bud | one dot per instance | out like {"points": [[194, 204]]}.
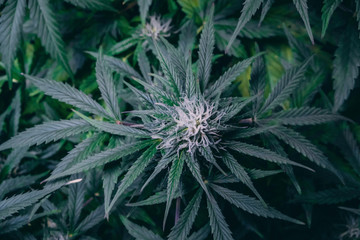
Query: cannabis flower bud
{"points": [[190, 125], [156, 28]]}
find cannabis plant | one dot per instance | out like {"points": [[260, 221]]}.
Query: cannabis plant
{"points": [[185, 122]]}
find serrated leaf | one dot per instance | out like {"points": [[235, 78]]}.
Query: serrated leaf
{"points": [[262, 153], [109, 180], [47, 132], [201, 234], [13, 204], [350, 150], [346, 65], [194, 167], [230, 75], [107, 87], [206, 48], [249, 9], [123, 45], [302, 8], [286, 85], [67, 94], [11, 21], [173, 183], [117, 129], [305, 116], [251, 205], [92, 4], [139, 232], [187, 218], [19, 182], [13, 160], [91, 220], [327, 10], [305, 147], [240, 173], [219, 228], [134, 171], [331, 196], [48, 31], [159, 197], [265, 9], [75, 200], [102, 158], [144, 6]]}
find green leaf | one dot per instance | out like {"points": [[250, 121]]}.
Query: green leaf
{"points": [[67, 94], [265, 9], [331, 196], [123, 45], [107, 87], [102, 158], [350, 150], [137, 231], [119, 66], [327, 11], [194, 167], [164, 161], [47, 132], [11, 21], [13, 184], [159, 197], [219, 227], [13, 160], [189, 7], [249, 9], [117, 129], [134, 171], [286, 85], [173, 182], [109, 180], [144, 6], [48, 31], [240, 173], [305, 116], [346, 65], [187, 218], [202, 234], [14, 204], [230, 75], [305, 147], [251, 205], [302, 8], [262, 153], [92, 4], [75, 200], [206, 48], [91, 220]]}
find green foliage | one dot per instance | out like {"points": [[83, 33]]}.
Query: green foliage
{"points": [[147, 119]]}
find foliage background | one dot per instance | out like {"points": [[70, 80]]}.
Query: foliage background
{"points": [[51, 39]]}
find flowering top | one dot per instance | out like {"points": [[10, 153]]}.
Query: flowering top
{"points": [[190, 125], [156, 27]]}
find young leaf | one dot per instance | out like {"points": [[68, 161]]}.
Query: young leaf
{"points": [[265, 9], [67, 94], [202, 234], [206, 48], [48, 31], [249, 9], [47, 132], [13, 184], [75, 200], [187, 218], [144, 6], [91, 220], [11, 21], [346, 65], [302, 8]]}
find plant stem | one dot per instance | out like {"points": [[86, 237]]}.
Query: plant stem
{"points": [[177, 210]]}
